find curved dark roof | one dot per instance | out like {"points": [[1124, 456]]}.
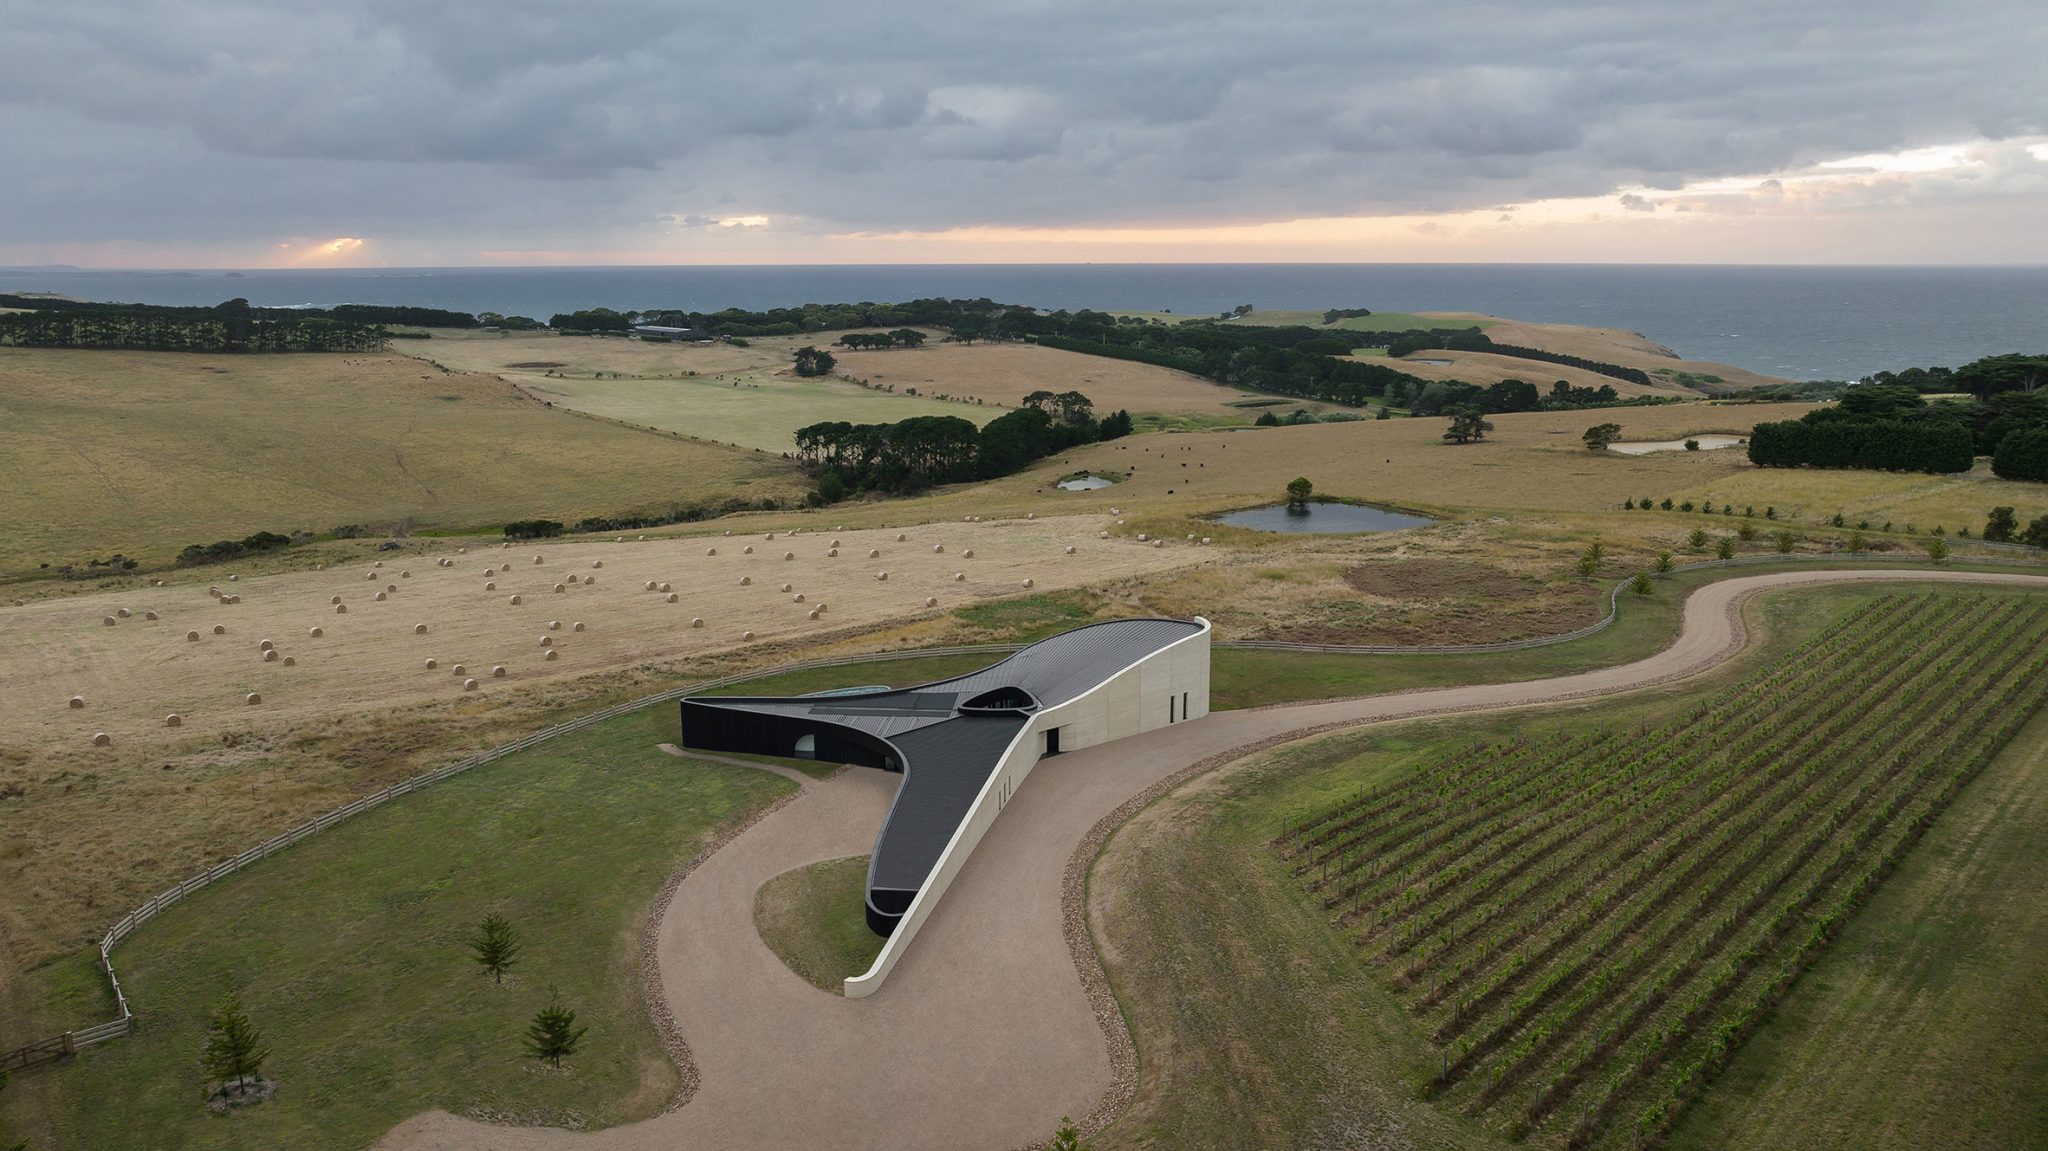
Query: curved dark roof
{"points": [[946, 753]]}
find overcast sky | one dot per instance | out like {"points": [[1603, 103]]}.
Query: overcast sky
{"points": [[204, 133]]}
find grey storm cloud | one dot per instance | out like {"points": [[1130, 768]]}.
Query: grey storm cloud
{"points": [[198, 121]]}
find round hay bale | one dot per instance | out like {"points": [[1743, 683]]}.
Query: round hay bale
{"points": [[1028, 583], [670, 598], [577, 626], [1119, 523], [728, 531], [536, 559], [1205, 540], [378, 564], [966, 519], [748, 550], [547, 641], [220, 629], [589, 580], [291, 661], [881, 576], [379, 597], [821, 609], [419, 629], [968, 554], [1030, 515], [938, 549], [643, 539], [814, 613], [550, 654], [174, 720], [149, 615], [192, 637], [931, 601], [102, 739], [1142, 537], [369, 575], [746, 581], [491, 585], [459, 669], [697, 622], [747, 635], [789, 555], [874, 553], [461, 551], [959, 577], [214, 591], [596, 563], [650, 585], [1070, 549], [515, 601], [405, 573], [334, 599], [799, 597], [232, 599], [469, 685], [835, 543], [77, 701], [160, 583], [392, 588], [270, 656], [788, 587], [769, 536], [1191, 535], [1102, 535], [253, 698], [341, 609], [832, 552], [1116, 511], [665, 587], [233, 578], [122, 612], [432, 663], [108, 620], [900, 537], [265, 645], [1158, 543], [316, 632], [498, 671], [490, 572], [560, 588], [554, 625]]}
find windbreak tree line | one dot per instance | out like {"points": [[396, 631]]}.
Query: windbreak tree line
{"points": [[233, 326], [917, 453], [1892, 427], [1474, 340]]}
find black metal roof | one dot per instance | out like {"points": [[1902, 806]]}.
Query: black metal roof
{"points": [[946, 753]]}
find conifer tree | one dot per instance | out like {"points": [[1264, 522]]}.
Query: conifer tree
{"points": [[496, 946], [553, 1034], [234, 1049]]}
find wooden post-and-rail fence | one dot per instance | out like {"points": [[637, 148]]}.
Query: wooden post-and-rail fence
{"points": [[125, 1019]]}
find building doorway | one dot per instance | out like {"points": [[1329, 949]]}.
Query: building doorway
{"points": [[1052, 741]]}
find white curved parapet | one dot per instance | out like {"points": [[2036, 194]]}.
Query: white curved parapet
{"points": [[1167, 686]]}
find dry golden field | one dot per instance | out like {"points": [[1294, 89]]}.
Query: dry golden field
{"points": [[1004, 373], [90, 828], [1487, 368], [144, 453]]}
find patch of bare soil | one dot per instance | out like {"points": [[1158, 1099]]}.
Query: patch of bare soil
{"points": [[1434, 602]]}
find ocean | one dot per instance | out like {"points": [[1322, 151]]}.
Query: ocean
{"points": [[1796, 322]]}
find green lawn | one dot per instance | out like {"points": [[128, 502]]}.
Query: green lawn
{"points": [[813, 919], [1922, 1026], [348, 953]]}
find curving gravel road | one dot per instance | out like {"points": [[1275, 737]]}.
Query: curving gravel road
{"points": [[988, 1031]]}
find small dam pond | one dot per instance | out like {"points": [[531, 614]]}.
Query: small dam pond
{"points": [[1707, 443], [1083, 483], [1317, 516]]}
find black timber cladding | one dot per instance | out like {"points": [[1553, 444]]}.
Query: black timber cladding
{"points": [[946, 755]]}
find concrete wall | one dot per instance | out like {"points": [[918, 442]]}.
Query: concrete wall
{"points": [[1144, 696]]}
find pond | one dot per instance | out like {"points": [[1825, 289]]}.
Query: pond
{"points": [[1645, 447], [1322, 517], [1082, 483]]}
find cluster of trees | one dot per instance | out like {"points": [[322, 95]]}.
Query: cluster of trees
{"points": [[509, 323], [2003, 526], [592, 320], [916, 453], [1435, 397], [900, 338], [1893, 427], [1468, 426], [812, 361], [232, 326], [221, 551], [1473, 340], [1335, 314], [533, 529], [536, 529]]}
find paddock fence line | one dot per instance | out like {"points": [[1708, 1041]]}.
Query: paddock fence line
{"points": [[125, 1020]]}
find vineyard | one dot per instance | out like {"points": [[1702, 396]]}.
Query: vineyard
{"points": [[1589, 926]]}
